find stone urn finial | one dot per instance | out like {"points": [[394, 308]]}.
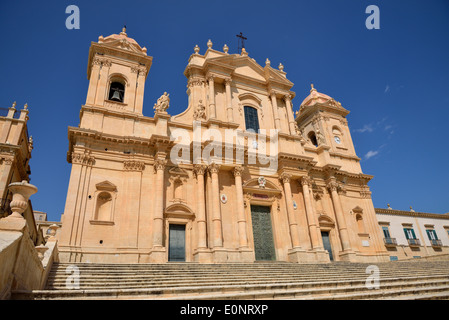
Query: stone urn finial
{"points": [[196, 49], [21, 192], [41, 251], [225, 49]]}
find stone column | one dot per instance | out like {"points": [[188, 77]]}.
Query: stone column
{"points": [[212, 110], [311, 218], [158, 224], [229, 110], [243, 239], [294, 233], [201, 217], [291, 119], [344, 235], [216, 209], [274, 103]]}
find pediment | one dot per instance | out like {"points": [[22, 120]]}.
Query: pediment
{"points": [[177, 171], [106, 186], [247, 67], [255, 184], [179, 209]]}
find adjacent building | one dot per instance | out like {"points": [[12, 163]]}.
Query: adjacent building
{"points": [[410, 234]]}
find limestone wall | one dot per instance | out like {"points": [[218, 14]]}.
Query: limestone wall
{"points": [[20, 265]]}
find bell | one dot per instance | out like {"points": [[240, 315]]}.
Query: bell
{"points": [[116, 96]]}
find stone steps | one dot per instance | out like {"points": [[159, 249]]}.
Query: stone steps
{"points": [[190, 281], [112, 282]]}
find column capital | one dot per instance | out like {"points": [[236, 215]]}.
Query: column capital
{"points": [[199, 169], [210, 77], [227, 81], [237, 171], [306, 181], [159, 164], [285, 177], [214, 168], [288, 97], [332, 185]]}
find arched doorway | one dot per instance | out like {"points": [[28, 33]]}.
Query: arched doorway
{"points": [[327, 226]]}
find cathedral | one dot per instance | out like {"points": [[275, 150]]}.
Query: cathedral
{"points": [[238, 176]]}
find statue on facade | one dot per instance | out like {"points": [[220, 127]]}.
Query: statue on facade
{"points": [[162, 103], [200, 112]]}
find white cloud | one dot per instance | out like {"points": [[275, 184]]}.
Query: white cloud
{"points": [[366, 128], [387, 88], [371, 154]]}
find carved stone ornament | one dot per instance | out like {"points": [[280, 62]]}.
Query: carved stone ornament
{"points": [[200, 111], [159, 164], [237, 171], [133, 165], [199, 169], [285, 177], [223, 198], [82, 158], [262, 182], [306, 181], [162, 103]]}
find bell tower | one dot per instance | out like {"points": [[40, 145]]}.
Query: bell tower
{"points": [[117, 70], [323, 125]]}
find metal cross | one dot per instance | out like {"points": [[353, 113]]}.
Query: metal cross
{"points": [[241, 40]]}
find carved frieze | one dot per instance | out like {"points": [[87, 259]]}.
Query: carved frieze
{"points": [[133, 165], [82, 158]]}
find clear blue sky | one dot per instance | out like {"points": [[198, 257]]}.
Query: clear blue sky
{"points": [[395, 81]]}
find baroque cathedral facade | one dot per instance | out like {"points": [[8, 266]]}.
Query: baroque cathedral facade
{"points": [[130, 199]]}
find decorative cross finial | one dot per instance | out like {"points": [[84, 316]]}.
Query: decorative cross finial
{"points": [[124, 29], [241, 43]]}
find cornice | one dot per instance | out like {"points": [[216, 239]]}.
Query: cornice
{"points": [[411, 214]]}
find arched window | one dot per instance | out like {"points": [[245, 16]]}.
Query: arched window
{"points": [[312, 138], [251, 119], [104, 206], [116, 92]]}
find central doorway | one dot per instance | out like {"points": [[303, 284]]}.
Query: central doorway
{"points": [[327, 243], [262, 233], [177, 242]]}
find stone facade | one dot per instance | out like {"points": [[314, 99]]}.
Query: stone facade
{"points": [[296, 195]]}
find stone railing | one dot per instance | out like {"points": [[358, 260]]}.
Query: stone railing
{"points": [[22, 265]]}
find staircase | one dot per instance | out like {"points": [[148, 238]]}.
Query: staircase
{"points": [[245, 281]]}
